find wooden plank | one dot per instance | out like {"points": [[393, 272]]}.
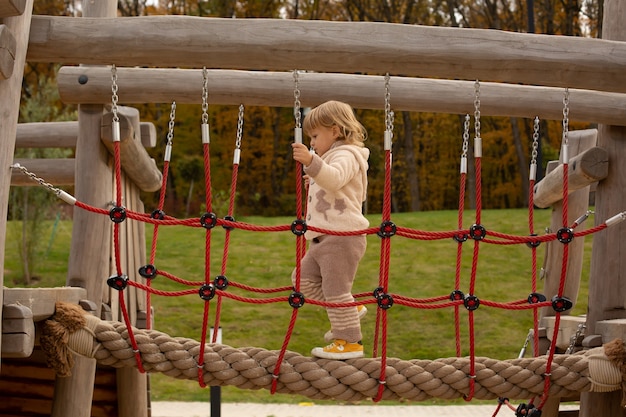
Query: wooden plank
{"points": [[134, 159], [55, 171], [10, 8], [65, 134], [10, 94], [42, 301], [7, 52], [266, 88], [18, 331], [330, 46]]}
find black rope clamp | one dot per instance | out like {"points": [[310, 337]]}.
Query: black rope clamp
{"points": [[560, 304], [503, 400], [471, 302], [298, 227], [296, 299], [208, 220], [387, 229], [117, 282], [385, 301], [527, 410], [565, 235], [378, 292], [230, 219], [460, 237], [535, 298], [220, 282], [477, 232], [148, 271], [117, 214], [457, 295], [207, 292], [157, 214], [533, 243]]}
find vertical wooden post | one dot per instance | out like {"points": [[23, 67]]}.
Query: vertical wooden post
{"points": [[607, 280], [91, 235], [10, 94]]}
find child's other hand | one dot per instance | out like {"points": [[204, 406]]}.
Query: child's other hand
{"points": [[301, 154]]}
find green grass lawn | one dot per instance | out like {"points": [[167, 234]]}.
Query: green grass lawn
{"points": [[418, 269]]}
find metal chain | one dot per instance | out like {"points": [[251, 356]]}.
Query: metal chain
{"points": [[114, 97], [477, 109], [466, 127], [297, 112], [389, 115], [170, 131], [37, 179], [535, 147], [565, 115], [574, 338], [239, 127], [205, 95]]}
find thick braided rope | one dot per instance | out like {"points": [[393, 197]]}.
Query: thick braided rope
{"points": [[350, 380]]}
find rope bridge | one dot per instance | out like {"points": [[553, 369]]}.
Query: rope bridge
{"points": [[379, 378]]}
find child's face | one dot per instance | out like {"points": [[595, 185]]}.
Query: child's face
{"points": [[322, 138]]}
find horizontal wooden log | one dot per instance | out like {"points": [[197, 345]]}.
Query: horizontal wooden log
{"points": [[65, 134], [327, 46], [55, 171], [8, 47], [18, 331], [134, 159], [583, 170], [42, 301], [263, 88], [10, 8]]}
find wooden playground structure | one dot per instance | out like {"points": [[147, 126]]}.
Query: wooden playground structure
{"points": [[252, 61]]}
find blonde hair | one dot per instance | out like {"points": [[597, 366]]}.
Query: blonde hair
{"points": [[336, 113]]}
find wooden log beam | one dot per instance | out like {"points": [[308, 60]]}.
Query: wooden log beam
{"points": [[7, 52], [262, 88], [18, 331], [56, 171], [12, 7], [134, 159], [65, 134], [583, 170], [326, 46]]}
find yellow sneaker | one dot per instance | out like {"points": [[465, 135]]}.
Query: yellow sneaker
{"points": [[339, 350]]}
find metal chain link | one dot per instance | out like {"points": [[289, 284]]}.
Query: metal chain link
{"points": [[37, 179], [205, 95], [565, 115], [574, 338], [477, 109], [466, 127], [535, 146], [239, 127], [170, 131], [114, 97], [389, 115], [297, 111]]}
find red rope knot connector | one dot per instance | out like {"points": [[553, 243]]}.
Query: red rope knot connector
{"points": [[384, 300], [387, 229], [208, 220], [533, 243], [457, 295], [117, 282], [298, 227], [207, 292], [565, 235], [527, 410], [561, 304], [536, 297], [477, 232], [296, 299], [471, 302], [220, 282], [228, 219], [117, 214], [157, 214], [461, 236], [148, 271]]}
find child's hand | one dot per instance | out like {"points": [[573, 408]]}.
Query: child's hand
{"points": [[301, 154], [307, 180]]}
